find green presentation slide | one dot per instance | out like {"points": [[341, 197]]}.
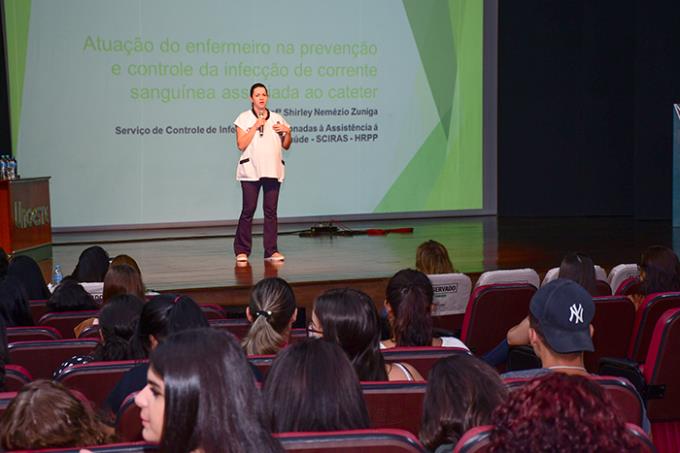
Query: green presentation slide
{"points": [[129, 104]]}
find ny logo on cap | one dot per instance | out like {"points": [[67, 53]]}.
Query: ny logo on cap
{"points": [[576, 312]]}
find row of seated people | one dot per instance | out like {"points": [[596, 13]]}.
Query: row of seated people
{"points": [[340, 299], [312, 386], [408, 290]]}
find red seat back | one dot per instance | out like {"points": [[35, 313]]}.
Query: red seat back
{"points": [[352, 441], [16, 377], [212, 311], [649, 312], [624, 397], [95, 380], [31, 333], [128, 423], [629, 286], [613, 324], [238, 327], [662, 367], [38, 308], [262, 362], [41, 358], [475, 440], [396, 404], [492, 311], [66, 321], [645, 443], [422, 358]]}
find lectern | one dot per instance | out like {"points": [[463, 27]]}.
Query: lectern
{"points": [[25, 214]]}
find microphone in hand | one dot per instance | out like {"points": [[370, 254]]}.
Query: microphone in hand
{"points": [[261, 128]]}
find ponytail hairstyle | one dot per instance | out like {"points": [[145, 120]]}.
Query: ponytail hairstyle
{"points": [[118, 322], [409, 293], [272, 305], [348, 317]]}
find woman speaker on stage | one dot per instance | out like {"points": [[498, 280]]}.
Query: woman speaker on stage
{"points": [[260, 135]]}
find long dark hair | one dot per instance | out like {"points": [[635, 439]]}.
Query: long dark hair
{"points": [[579, 268], [26, 270], [71, 296], [92, 265], [348, 317], [211, 401], [117, 323], [661, 270], [4, 263], [14, 308], [164, 315], [313, 387], [409, 293], [462, 392], [272, 304]]}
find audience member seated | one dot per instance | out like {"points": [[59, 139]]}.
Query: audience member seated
{"points": [[576, 267], [201, 397], [4, 263], [92, 265], [28, 273], [462, 393], [659, 272], [313, 387], [117, 324], [409, 305], [14, 308], [120, 279], [70, 296], [348, 317], [45, 414], [433, 258], [559, 413], [271, 311], [161, 316], [560, 332]]}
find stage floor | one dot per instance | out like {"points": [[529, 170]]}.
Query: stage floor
{"points": [[186, 258]]}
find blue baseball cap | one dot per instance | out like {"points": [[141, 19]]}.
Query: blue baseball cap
{"points": [[564, 311]]}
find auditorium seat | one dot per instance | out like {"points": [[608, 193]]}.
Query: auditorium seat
{"points": [[352, 441], [238, 327], [528, 276], [262, 362], [16, 377], [95, 380], [451, 296], [620, 273], [128, 423], [422, 358], [38, 308], [649, 312], [31, 333], [475, 440], [629, 287], [621, 392], [602, 287], [90, 332], [66, 321], [212, 311], [645, 443], [662, 368], [42, 358], [612, 328], [492, 310], [396, 404]]}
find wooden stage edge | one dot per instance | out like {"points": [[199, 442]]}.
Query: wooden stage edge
{"points": [[199, 262]]}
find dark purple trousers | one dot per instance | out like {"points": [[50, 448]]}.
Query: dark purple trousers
{"points": [[244, 233]]}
